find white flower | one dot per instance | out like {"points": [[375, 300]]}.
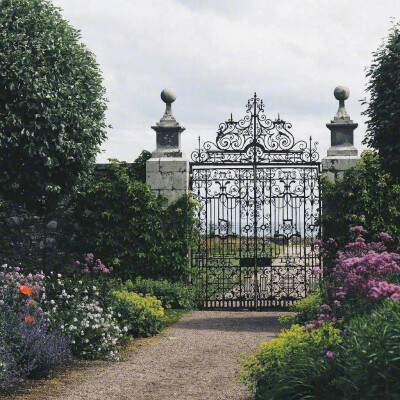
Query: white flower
{"points": [[86, 340], [52, 301], [94, 288], [125, 329]]}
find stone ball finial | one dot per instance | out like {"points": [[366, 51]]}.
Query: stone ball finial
{"points": [[341, 93], [168, 96]]}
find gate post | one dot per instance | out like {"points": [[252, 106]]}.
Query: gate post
{"points": [[342, 154], [167, 171]]}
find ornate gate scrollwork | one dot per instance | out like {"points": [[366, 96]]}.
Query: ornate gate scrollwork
{"points": [[258, 190]]}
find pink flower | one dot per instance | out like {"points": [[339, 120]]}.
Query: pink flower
{"points": [[330, 354], [386, 236], [359, 229], [317, 270]]}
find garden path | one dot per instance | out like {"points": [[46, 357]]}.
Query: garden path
{"points": [[196, 359]]}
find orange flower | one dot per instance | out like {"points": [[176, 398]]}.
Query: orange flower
{"points": [[25, 290], [29, 319]]}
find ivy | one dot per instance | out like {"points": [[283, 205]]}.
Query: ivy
{"points": [[123, 222]]}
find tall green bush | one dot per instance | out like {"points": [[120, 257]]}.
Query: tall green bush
{"points": [[367, 195], [122, 221], [52, 105], [383, 123]]}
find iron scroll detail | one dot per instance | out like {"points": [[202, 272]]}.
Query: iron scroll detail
{"points": [[256, 138]]}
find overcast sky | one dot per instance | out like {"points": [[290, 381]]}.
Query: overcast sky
{"points": [[216, 53]]}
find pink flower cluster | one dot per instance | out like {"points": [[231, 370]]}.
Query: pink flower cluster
{"points": [[362, 269], [90, 265], [384, 290]]}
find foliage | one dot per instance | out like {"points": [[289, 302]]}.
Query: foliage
{"points": [[367, 196], [295, 365], [139, 166], [79, 309], [363, 274], [305, 310], [27, 345], [369, 362], [172, 316], [383, 123], [171, 294], [52, 105], [142, 315], [124, 222]]}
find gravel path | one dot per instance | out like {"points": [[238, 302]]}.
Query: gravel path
{"points": [[197, 358]]}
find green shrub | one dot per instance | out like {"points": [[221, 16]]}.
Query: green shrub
{"points": [[121, 219], [171, 294], [142, 315], [367, 196], [305, 310], [369, 362], [295, 365]]}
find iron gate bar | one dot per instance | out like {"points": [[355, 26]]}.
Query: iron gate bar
{"points": [[259, 191]]}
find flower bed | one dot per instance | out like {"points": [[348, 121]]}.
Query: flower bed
{"points": [[349, 348], [44, 320]]}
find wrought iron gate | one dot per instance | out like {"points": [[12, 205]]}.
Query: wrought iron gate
{"points": [[258, 191]]}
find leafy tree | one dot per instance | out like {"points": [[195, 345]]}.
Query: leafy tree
{"points": [[52, 105], [367, 195], [383, 108]]}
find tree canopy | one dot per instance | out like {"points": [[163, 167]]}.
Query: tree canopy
{"points": [[52, 104], [383, 108]]}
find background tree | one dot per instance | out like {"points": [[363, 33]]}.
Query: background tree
{"points": [[383, 108], [52, 105]]}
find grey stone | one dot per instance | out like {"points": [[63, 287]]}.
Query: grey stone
{"points": [[342, 154], [52, 225], [167, 171]]}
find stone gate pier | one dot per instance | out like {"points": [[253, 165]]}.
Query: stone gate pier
{"points": [[167, 171], [342, 154]]}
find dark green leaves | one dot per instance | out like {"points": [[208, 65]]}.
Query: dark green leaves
{"points": [[52, 105]]}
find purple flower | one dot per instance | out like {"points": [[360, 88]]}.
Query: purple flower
{"points": [[359, 229], [386, 236]]}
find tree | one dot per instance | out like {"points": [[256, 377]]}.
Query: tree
{"points": [[52, 105], [383, 108]]}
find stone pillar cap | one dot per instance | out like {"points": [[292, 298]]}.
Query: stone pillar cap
{"points": [[168, 121], [341, 93]]}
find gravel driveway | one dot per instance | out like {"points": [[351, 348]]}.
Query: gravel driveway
{"points": [[197, 358]]}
